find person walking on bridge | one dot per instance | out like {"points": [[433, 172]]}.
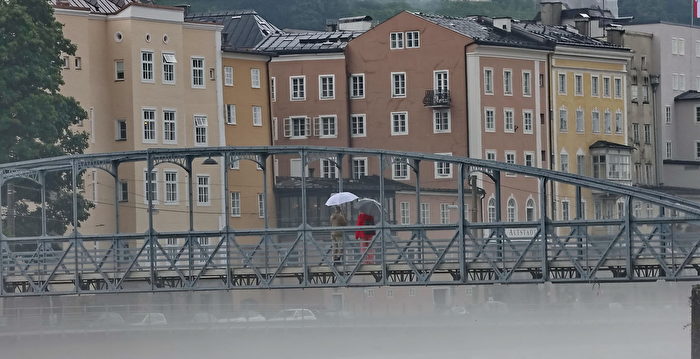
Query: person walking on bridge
{"points": [[337, 220]]}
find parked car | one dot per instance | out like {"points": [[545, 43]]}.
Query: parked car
{"points": [[148, 319], [294, 315]]}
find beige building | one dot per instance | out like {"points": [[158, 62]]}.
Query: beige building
{"points": [[148, 79]]}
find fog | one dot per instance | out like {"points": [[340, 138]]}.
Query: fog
{"points": [[632, 320]]}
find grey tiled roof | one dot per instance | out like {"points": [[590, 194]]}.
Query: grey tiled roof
{"points": [[608, 144], [307, 42], [561, 35], [688, 95], [481, 29], [243, 29], [96, 6]]}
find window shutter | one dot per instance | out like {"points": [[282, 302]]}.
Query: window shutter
{"points": [[317, 126], [307, 127], [287, 127]]}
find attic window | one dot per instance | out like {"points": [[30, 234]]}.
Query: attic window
{"points": [[236, 17], [169, 59]]}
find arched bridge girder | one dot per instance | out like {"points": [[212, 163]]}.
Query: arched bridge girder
{"points": [[405, 249]]}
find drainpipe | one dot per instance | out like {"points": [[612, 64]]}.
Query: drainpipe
{"points": [[654, 84], [550, 131], [466, 98]]}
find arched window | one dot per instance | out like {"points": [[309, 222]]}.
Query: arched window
{"points": [[511, 215], [530, 210], [492, 210]]}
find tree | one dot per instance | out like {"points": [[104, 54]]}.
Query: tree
{"points": [[35, 119]]}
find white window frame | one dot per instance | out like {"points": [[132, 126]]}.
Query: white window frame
{"points": [[255, 78], [618, 87], [697, 150], [668, 115], [168, 62], [195, 72], [527, 83], [607, 84], [561, 82], [398, 91], [402, 167], [147, 67], [563, 119], [443, 169], [321, 129], [327, 168], [117, 66], [508, 82], [425, 213], [228, 75], [532, 160], [153, 122], [508, 126], [405, 212], [669, 150], [119, 136], [579, 88], [396, 41], [412, 39], [488, 128], [166, 122], [355, 166], [580, 120], [328, 87], [300, 93], [235, 204], [528, 125], [203, 190], [607, 121], [358, 118], [261, 205], [489, 153], [595, 121], [488, 80], [439, 126], [202, 124], [273, 89], [396, 116], [230, 114], [154, 173], [257, 115], [619, 122], [595, 85], [564, 164], [171, 184], [507, 157], [512, 210], [357, 86], [444, 213]]}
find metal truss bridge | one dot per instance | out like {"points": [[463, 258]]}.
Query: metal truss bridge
{"points": [[630, 234]]}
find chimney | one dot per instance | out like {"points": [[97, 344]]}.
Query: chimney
{"points": [[356, 23], [615, 35], [503, 23], [185, 8], [583, 26], [550, 12], [331, 25]]}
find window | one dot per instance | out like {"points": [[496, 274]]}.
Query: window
{"points": [[400, 169], [595, 85], [257, 116], [359, 167], [697, 48], [508, 120], [674, 46], [198, 72], [169, 62], [326, 127], [488, 81], [326, 85], [261, 205], [396, 40], [121, 134], [578, 85], [78, 63], [441, 82], [297, 88], [405, 212], [669, 152], [328, 169], [273, 89], [581, 165], [441, 121], [618, 167], [638, 172], [527, 87], [398, 84], [444, 213], [255, 78], [595, 121], [169, 126], [511, 214], [357, 86], [529, 159], [599, 166], [357, 124], [510, 159], [399, 123], [618, 121], [490, 120], [228, 76], [149, 125], [681, 46], [562, 83], [668, 114], [200, 130], [681, 82], [491, 212], [119, 70], [507, 82], [565, 210], [150, 186], [443, 169], [697, 114], [647, 134], [425, 213], [297, 127], [634, 94], [697, 150], [579, 120], [675, 81], [564, 162], [203, 190], [635, 132], [235, 204], [412, 39], [647, 172], [563, 120], [146, 66], [527, 121], [171, 193], [618, 87], [66, 62], [230, 114], [490, 155], [530, 210], [123, 191], [606, 86]]}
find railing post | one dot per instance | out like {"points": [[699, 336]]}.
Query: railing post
{"points": [[227, 218], [580, 230], [416, 171], [190, 213], [150, 192], [115, 171], [304, 218], [74, 187], [462, 223], [628, 237], [499, 215], [266, 239], [544, 230], [42, 183], [382, 220], [339, 166], [2, 239]]}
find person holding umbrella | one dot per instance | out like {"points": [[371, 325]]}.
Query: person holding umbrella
{"points": [[338, 220], [366, 217]]}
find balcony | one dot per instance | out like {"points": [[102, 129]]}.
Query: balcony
{"points": [[434, 98]]}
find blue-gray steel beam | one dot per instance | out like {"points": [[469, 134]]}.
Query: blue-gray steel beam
{"points": [[150, 192], [462, 223], [74, 195], [304, 219], [544, 230], [382, 220], [2, 237]]}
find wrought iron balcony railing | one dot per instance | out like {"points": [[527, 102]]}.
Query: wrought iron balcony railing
{"points": [[435, 98]]}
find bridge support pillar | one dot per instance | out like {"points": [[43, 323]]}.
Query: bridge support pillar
{"points": [[695, 322]]}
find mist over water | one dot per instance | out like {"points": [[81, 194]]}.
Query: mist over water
{"points": [[635, 320]]}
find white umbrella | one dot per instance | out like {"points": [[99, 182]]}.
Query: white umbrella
{"points": [[336, 199]]}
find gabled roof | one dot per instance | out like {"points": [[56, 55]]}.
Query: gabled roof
{"points": [[562, 35], [306, 42], [688, 96], [243, 29], [95, 6]]}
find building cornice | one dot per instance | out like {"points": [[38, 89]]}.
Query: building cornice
{"points": [[244, 56], [309, 57], [507, 52]]}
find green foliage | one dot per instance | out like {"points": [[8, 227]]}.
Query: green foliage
{"points": [[35, 118], [678, 11]]}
